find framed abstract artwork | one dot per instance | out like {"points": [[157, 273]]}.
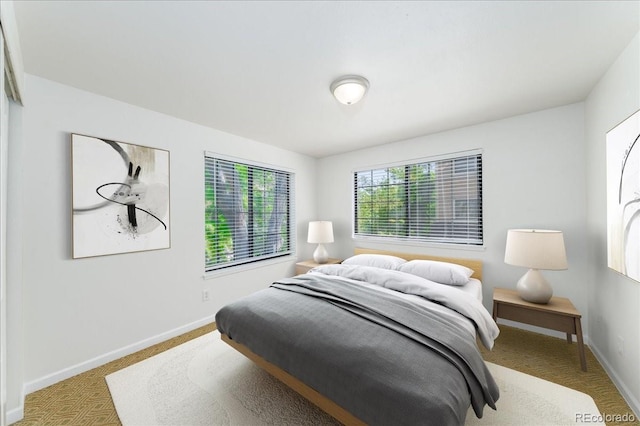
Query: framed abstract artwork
{"points": [[623, 197], [120, 197]]}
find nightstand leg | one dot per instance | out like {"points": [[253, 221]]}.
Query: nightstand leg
{"points": [[583, 358], [569, 338]]}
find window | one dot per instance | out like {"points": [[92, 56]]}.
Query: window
{"points": [[463, 207], [436, 200], [247, 213], [464, 165]]}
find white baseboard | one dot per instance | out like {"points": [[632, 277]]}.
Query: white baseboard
{"points": [[53, 378], [15, 415], [628, 396], [622, 387]]}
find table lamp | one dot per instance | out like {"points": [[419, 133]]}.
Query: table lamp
{"points": [[535, 249], [320, 232]]}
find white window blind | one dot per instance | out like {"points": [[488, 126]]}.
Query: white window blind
{"points": [[247, 213], [435, 201]]}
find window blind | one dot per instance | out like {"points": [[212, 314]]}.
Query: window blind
{"points": [[435, 201], [247, 213]]}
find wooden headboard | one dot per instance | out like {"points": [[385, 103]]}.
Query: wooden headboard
{"points": [[474, 264]]}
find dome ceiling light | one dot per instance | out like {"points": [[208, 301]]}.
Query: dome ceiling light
{"points": [[349, 89]]}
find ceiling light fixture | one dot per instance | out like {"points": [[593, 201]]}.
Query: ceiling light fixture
{"points": [[349, 89]]}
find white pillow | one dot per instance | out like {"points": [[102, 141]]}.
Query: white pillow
{"points": [[440, 272], [384, 261]]}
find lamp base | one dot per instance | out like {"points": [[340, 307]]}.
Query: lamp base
{"points": [[534, 288], [320, 255]]}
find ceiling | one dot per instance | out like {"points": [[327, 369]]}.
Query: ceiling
{"points": [[262, 70]]}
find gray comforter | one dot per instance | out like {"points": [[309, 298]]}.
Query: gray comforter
{"points": [[385, 359]]}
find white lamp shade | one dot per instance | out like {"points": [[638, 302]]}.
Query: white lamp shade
{"points": [[350, 89], [536, 249], [320, 232]]}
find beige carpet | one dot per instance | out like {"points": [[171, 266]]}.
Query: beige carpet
{"points": [[205, 382]]}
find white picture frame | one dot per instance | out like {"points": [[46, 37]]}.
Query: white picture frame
{"points": [[120, 197], [623, 197]]}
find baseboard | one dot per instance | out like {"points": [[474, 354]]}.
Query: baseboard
{"points": [[617, 381], [53, 378], [628, 396], [15, 415]]}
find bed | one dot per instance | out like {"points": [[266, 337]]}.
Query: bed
{"points": [[373, 340]]}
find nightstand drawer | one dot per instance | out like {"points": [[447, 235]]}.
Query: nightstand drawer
{"points": [[559, 314], [548, 320]]}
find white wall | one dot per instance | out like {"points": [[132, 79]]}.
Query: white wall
{"points": [[80, 313], [15, 330], [4, 173], [614, 300], [10, 306], [533, 176]]}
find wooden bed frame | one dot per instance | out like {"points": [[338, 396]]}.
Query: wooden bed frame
{"points": [[324, 403]]}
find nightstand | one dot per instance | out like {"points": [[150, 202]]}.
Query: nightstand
{"points": [[304, 266], [559, 314]]}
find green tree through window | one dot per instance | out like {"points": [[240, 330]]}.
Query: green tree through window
{"points": [[247, 213], [437, 201]]}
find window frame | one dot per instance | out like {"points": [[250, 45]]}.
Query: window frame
{"points": [[422, 241], [212, 270]]}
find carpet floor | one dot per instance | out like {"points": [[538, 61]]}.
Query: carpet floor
{"points": [[85, 398], [207, 382]]}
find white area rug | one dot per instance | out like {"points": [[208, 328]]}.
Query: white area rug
{"points": [[206, 382]]}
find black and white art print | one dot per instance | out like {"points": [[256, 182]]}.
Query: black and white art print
{"points": [[120, 197], [623, 197]]}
